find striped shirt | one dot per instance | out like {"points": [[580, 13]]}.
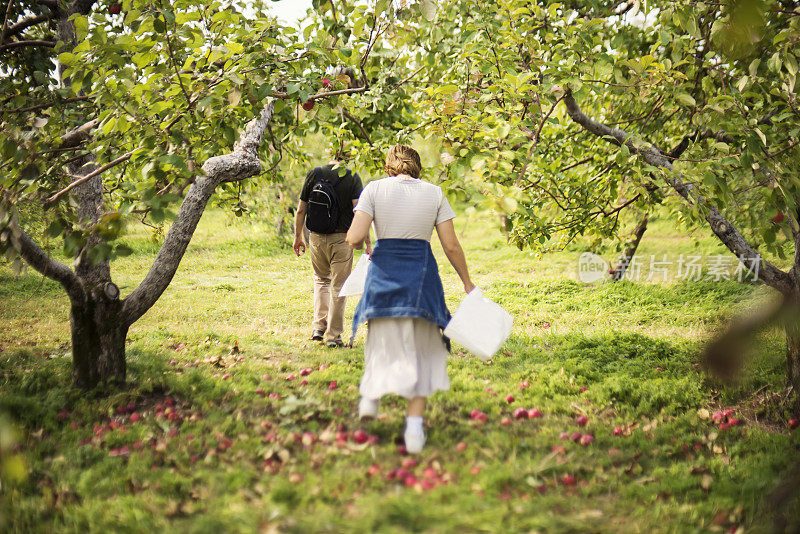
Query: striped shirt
{"points": [[403, 207]]}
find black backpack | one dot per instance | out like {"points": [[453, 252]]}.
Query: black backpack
{"points": [[323, 208]]}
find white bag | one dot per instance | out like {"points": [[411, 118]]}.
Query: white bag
{"points": [[354, 285], [480, 325]]}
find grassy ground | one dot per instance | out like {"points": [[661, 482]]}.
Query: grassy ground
{"points": [[211, 435]]}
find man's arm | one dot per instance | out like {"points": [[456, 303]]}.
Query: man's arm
{"points": [[367, 243], [299, 222]]}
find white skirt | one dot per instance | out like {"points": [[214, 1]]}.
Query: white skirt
{"points": [[405, 356]]}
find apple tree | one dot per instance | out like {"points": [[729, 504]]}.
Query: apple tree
{"points": [[140, 111], [572, 114]]}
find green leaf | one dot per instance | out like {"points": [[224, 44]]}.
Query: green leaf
{"points": [[686, 99]]}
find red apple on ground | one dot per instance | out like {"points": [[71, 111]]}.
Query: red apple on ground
{"points": [[575, 436], [524, 384], [617, 430], [534, 413], [586, 439], [333, 385], [509, 398], [563, 435], [409, 463], [359, 436], [568, 480], [461, 446], [135, 417], [306, 371], [261, 392], [794, 423], [505, 421], [373, 470], [520, 413], [581, 420]]}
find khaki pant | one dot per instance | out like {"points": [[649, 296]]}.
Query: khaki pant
{"points": [[332, 260]]}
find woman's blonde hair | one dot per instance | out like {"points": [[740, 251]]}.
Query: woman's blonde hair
{"points": [[402, 159]]}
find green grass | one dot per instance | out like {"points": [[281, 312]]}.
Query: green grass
{"points": [[233, 463]]}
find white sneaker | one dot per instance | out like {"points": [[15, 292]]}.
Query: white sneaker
{"points": [[368, 408], [415, 441]]}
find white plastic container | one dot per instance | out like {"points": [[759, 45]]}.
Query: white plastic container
{"points": [[480, 325]]}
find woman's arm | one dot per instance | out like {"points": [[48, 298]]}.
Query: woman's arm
{"points": [[359, 230], [452, 249]]}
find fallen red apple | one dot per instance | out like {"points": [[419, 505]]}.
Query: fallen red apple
{"points": [[409, 463], [534, 413], [306, 371], [583, 388], [520, 413], [568, 480], [410, 480], [461, 446], [135, 417], [586, 439], [575, 436], [581, 420], [304, 382], [261, 392], [509, 398], [794, 423], [505, 421], [617, 430], [308, 438], [563, 435], [294, 478], [333, 385], [226, 376], [373, 470], [524, 384], [359, 436], [291, 377], [401, 450], [308, 105]]}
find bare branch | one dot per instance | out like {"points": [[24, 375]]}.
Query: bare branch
{"points": [[21, 44], [24, 24], [357, 123], [82, 179], [723, 228], [47, 266]]}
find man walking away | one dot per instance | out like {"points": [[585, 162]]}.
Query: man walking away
{"points": [[329, 195]]}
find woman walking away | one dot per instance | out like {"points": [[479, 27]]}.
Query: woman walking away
{"points": [[403, 300]]}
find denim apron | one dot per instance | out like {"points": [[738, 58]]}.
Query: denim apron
{"points": [[402, 281]]}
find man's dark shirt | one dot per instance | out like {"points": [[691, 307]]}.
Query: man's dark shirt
{"points": [[348, 188]]}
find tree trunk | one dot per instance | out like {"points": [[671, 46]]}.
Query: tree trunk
{"points": [[98, 341], [793, 355], [622, 265]]}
